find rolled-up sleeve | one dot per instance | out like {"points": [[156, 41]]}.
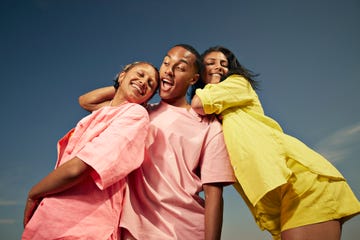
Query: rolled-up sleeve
{"points": [[119, 148], [233, 91]]}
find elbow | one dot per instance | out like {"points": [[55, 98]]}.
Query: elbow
{"points": [[82, 102], [76, 168], [196, 104], [199, 110], [85, 103]]}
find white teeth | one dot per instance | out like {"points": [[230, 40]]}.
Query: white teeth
{"points": [[167, 81], [138, 88], [166, 84], [217, 74]]}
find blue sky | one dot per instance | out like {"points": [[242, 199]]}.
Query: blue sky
{"points": [[306, 52]]}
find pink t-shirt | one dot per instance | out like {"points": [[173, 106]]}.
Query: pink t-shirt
{"points": [[112, 141], [163, 200]]}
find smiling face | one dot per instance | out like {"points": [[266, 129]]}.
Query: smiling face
{"points": [[215, 67], [138, 84], [177, 73]]}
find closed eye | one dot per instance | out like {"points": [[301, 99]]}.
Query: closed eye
{"points": [[140, 74]]}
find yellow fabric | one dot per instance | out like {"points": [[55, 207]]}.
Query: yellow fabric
{"points": [[306, 199], [257, 146]]}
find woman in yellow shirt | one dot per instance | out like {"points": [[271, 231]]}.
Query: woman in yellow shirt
{"points": [[291, 190]]}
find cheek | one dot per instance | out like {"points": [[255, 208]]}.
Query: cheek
{"points": [[207, 70], [150, 91], [207, 78], [162, 68], [205, 74]]}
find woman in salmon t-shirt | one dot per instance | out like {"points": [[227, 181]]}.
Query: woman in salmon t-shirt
{"points": [[82, 198]]}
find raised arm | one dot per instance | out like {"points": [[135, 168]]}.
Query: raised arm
{"points": [[64, 177], [234, 91], [97, 98], [197, 105]]}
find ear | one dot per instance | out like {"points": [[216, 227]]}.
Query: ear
{"points": [[121, 77], [194, 79]]}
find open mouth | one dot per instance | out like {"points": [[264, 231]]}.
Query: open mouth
{"points": [[216, 74], [166, 84], [140, 89], [214, 77]]}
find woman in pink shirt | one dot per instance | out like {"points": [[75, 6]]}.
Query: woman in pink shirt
{"points": [[82, 198]]}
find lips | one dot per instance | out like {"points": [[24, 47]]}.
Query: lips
{"points": [[216, 74], [214, 78], [139, 87], [166, 84]]}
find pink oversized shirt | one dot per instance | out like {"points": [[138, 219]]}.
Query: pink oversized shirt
{"points": [[112, 141], [163, 200]]}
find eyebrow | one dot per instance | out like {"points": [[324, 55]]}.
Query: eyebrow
{"points": [[181, 60], [213, 58], [184, 61]]}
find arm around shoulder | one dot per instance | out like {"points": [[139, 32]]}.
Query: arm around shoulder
{"points": [[97, 98], [197, 105]]}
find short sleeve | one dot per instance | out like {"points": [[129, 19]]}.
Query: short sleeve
{"points": [[119, 148], [215, 162]]}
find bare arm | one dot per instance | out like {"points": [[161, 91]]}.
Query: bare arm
{"points": [[62, 178], [97, 98], [214, 205], [196, 104]]}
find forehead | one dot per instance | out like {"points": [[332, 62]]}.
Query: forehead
{"points": [[181, 54], [146, 69], [143, 66], [215, 55]]}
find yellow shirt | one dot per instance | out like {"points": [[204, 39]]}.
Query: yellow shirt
{"points": [[257, 146]]}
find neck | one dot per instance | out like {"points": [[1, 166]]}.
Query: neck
{"points": [[182, 103], [117, 101]]}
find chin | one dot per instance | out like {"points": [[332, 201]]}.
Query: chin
{"points": [[213, 80], [164, 94]]}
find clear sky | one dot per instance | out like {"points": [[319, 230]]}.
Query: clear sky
{"points": [[306, 52]]}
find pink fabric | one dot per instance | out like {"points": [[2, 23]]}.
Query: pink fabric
{"points": [[186, 151], [112, 141]]}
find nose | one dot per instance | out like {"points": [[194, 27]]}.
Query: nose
{"points": [[219, 68], [169, 71], [142, 83]]}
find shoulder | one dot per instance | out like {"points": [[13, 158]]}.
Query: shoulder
{"points": [[133, 110], [236, 79], [230, 83]]}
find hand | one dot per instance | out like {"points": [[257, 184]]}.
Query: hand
{"points": [[30, 208]]}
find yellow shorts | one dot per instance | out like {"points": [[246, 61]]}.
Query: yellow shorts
{"points": [[307, 198]]}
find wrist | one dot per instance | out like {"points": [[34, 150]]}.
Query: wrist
{"points": [[33, 197], [29, 199]]}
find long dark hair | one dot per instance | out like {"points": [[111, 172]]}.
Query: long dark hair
{"points": [[234, 68]]}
